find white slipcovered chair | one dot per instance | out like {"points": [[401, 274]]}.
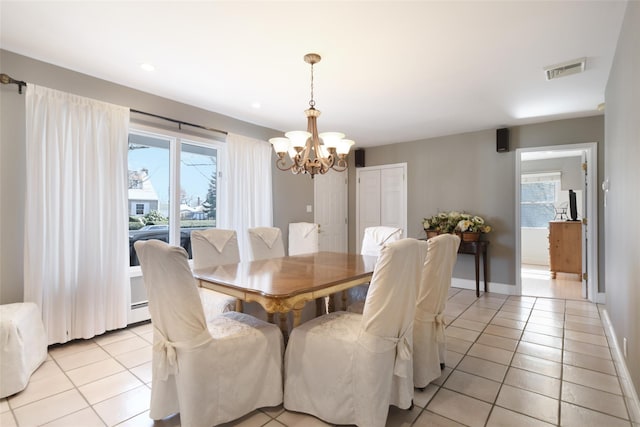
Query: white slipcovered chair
{"points": [[211, 372], [213, 247], [23, 345], [265, 243], [347, 368], [372, 242], [375, 238], [303, 238], [428, 332]]}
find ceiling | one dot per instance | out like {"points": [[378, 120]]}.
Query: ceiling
{"points": [[391, 71]]}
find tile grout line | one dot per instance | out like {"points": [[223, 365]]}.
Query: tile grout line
{"points": [[509, 365]]}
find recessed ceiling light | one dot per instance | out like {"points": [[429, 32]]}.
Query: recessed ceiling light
{"points": [[256, 105], [147, 67]]}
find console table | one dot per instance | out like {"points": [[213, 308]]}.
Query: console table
{"points": [[476, 249]]}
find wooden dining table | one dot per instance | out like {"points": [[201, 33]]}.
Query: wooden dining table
{"points": [[285, 284]]}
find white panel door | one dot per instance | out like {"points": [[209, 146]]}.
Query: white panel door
{"points": [[393, 198], [331, 206], [381, 198], [368, 202]]}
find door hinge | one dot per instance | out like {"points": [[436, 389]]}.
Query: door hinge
{"points": [[584, 166], [584, 221], [585, 276]]}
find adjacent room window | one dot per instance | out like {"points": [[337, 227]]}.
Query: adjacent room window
{"points": [[173, 187], [538, 199]]}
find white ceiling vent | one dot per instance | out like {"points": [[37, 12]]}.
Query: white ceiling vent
{"points": [[565, 69]]}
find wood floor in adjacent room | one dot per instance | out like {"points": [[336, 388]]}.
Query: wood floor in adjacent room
{"points": [[537, 282]]}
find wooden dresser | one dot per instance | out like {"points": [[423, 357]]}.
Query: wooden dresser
{"points": [[565, 247]]}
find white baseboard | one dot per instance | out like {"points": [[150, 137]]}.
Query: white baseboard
{"points": [[498, 288], [628, 390], [138, 314]]}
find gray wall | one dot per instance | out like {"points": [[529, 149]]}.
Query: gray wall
{"points": [[622, 249], [465, 173], [290, 193]]}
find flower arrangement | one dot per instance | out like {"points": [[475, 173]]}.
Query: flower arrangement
{"points": [[451, 222]]}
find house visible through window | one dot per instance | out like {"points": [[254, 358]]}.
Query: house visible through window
{"points": [[173, 187], [538, 199]]}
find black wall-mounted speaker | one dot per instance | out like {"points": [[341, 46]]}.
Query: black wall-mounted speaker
{"points": [[359, 157], [502, 140]]}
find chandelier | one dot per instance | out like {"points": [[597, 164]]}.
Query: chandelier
{"points": [[309, 151]]}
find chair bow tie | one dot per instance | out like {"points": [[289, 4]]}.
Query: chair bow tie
{"points": [[437, 320], [403, 345], [168, 362], [404, 351]]}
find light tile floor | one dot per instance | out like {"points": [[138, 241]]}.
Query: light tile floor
{"points": [[511, 361]]}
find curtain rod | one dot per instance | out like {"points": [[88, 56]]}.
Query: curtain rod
{"points": [[6, 80], [179, 122]]}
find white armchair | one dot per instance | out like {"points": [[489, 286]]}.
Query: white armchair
{"points": [[23, 344], [347, 368], [211, 372], [428, 332]]}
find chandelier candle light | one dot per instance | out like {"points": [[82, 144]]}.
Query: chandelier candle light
{"points": [[309, 151]]}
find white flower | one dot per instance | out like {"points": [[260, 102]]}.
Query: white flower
{"points": [[478, 220]]}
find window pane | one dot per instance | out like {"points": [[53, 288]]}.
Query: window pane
{"points": [[537, 215], [148, 190], [198, 188], [538, 203], [538, 192]]}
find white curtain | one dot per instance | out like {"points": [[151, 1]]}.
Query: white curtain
{"points": [[247, 201], [76, 242]]}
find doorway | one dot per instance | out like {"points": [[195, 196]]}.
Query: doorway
{"points": [[556, 220], [331, 210]]}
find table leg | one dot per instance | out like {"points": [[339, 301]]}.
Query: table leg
{"points": [[239, 306], [319, 307], [344, 300], [477, 256], [283, 326], [297, 316], [270, 317], [484, 267], [332, 304]]}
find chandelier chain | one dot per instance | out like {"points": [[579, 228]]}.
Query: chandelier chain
{"points": [[312, 103]]}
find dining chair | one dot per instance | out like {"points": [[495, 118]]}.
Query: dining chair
{"points": [[213, 247], [375, 238], [303, 238], [347, 368], [372, 242], [265, 242], [211, 372], [429, 340]]}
